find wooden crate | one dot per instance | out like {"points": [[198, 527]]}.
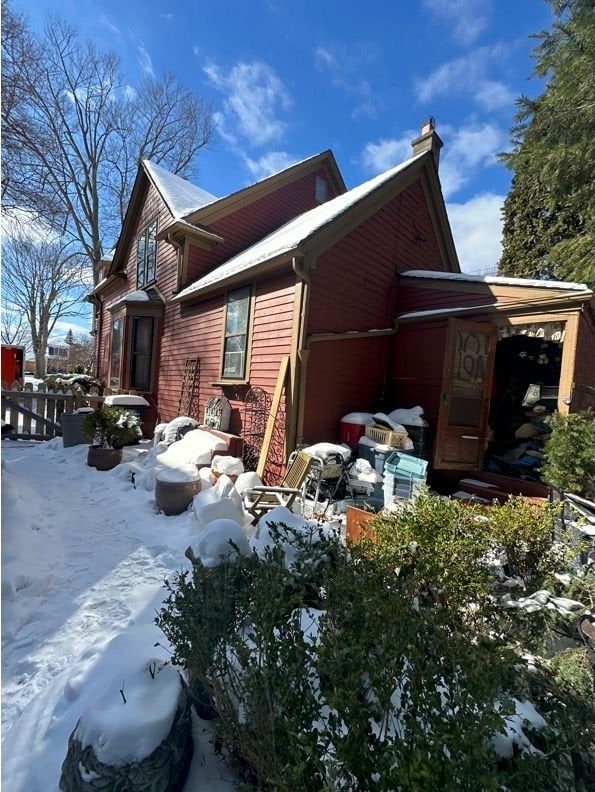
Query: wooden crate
{"points": [[386, 436]]}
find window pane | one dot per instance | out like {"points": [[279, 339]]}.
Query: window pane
{"points": [[116, 353], [142, 347], [238, 304], [140, 260], [151, 252], [468, 378], [234, 357], [236, 333]]}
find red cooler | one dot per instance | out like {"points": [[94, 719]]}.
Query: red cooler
{"points": [[352, 427]]}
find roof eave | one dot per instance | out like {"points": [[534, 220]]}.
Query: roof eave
{"points": [[259, 270]]}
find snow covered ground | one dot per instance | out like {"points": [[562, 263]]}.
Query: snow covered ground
{"points": [[84, 557]]}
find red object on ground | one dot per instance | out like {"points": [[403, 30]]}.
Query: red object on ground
{"points": [[13, 359]]}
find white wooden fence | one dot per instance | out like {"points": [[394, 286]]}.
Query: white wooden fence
{"points": [[35, 414]]}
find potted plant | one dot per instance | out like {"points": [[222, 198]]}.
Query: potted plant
{"points": [[109, 429]]}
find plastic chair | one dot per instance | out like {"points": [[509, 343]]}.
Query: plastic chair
{"points": [[260, 500]]}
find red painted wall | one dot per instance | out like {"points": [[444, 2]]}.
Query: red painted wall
{"points": [[247, 225], [197, 331], [343, 376], [355, 285]]}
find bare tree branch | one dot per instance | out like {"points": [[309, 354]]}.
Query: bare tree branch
{"points": [[76, 130], [45, 284]]}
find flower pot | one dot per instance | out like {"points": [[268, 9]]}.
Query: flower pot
{"points": [[103, 458], [174, 497]]}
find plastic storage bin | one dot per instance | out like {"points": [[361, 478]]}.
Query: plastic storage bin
{"points": [[375, 456], [403, 475], [352, 427]]}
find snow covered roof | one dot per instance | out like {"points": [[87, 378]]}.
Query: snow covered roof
{"points": [[495, 280], [182, 197], [290, 236]]}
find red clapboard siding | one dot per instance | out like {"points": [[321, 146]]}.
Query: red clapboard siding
{"points": [[197, 331], [247, 225], [418, 298], [354, 286], [416, 367], [343, 376]]}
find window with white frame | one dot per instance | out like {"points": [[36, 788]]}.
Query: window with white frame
{"points": [[146, 255], [235, 346]]}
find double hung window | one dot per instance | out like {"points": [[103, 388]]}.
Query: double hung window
{"points": [[235, 346]]}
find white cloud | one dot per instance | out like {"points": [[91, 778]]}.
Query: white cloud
{"points": [[466, 151], [493, 95], [469, 18], [324, 59], [144, 60], [167, 17], [106, 22], [269, 163], [345, 72], [477, 230], [24, 224], [468, 76], [254, 95], [378, 157]]}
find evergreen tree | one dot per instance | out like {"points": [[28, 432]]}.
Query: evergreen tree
{"points": [[549, 213], [69, 337]]}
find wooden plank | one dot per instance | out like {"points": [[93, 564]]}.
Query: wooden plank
{"points": [[272, 415]]}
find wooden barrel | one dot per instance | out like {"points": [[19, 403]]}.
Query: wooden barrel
{"points": [[174, 497]]}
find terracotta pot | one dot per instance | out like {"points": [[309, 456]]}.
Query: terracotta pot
{"points": [[103, 458], [174, 497]]}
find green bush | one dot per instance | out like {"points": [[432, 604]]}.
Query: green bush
{"points": [[570, 453], [386, 666], [112, 427]]}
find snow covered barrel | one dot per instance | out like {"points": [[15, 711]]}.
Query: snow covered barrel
{"points": [[353, 426], [175, 488]]}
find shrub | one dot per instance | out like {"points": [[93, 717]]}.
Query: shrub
{"points": [[380, 667], [112, 427], [570, 453]]}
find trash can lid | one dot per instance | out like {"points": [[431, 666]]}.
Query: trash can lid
{"points": [[125, 400]]}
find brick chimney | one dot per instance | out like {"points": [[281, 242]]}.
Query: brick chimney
{"points": [[429, 140]]}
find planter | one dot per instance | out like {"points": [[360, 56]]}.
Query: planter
{"points": [[103, 458], [72, 429], [174, 497]]}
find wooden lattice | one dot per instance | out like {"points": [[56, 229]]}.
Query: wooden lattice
{"points": [[257, 405], [189, 394]]}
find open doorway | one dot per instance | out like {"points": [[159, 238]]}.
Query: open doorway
{"points": [[524, 393]]}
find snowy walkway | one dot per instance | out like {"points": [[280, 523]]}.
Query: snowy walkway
{"points": [[84, 557]]}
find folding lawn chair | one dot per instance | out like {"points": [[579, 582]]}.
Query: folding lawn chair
{"points": [[260, 500]]}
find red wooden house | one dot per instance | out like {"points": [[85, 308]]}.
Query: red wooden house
{"points": [[222, 290]]}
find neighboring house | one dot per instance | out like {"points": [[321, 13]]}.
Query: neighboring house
{"points": [[292, 266], [57, 355]]}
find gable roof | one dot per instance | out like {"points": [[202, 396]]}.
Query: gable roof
{"points": [[297, 235], [212, 211], [180, 196]]}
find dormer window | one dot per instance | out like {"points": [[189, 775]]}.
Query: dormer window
{"points": [[146, 255], [321, 189]]}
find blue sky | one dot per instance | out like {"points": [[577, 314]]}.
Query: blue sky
{"points": [[290, 78]]}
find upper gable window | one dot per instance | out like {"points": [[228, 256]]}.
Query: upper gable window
{"points": [[321, 189], [146, 255], [236, 334]]}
